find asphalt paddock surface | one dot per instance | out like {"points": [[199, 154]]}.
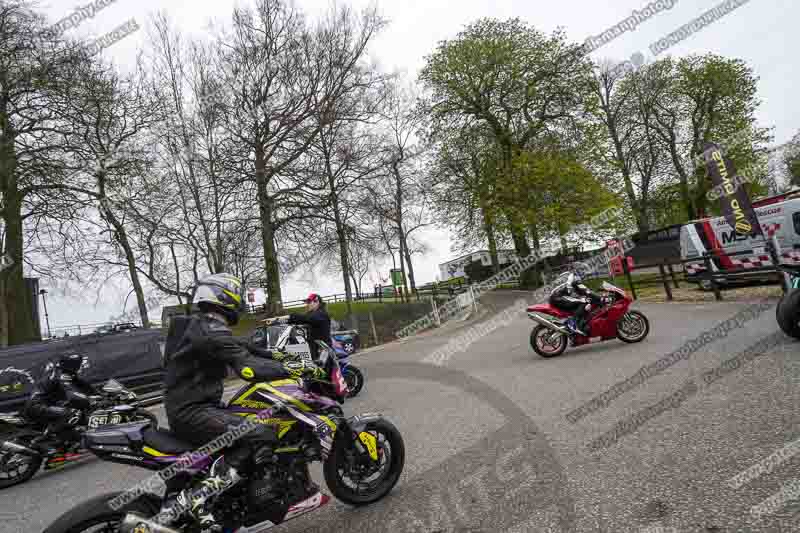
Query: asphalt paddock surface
{"points": [[489, 447]]}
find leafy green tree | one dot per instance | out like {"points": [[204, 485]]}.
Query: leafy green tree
{"points": [[517, 83], [555, 190], [791, 159], [461, 189], [699, 99]]}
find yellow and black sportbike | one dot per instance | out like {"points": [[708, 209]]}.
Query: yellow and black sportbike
{"points": [[363, 457]]}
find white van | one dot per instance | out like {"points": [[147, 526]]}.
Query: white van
{"points": [[779, 216]]}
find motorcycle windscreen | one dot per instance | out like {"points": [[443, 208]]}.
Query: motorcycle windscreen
{"points": [[609, 287], [331, 365]]}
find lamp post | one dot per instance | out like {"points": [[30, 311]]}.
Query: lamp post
{"points": [[46, 316], [126, 301]]}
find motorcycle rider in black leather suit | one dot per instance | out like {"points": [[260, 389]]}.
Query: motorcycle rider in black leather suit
{"points": [[573, 296], [61, 397], [198, 354]]}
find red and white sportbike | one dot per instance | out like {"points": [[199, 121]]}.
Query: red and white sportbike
{"points": [[610, 319]]}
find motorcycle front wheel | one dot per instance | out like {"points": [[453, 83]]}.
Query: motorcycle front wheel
{"points": [[546, 342], [16, 468], [353, 477], [633, 327], [787, 313], [96, 515], [354, 379]]}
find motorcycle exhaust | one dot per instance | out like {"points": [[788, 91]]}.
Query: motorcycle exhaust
{"points": [[136, 524], [17, 448], [547, 323]]}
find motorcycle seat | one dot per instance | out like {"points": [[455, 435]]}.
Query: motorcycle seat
{"points": [[165, 441]]}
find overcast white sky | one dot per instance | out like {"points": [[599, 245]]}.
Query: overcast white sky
{"points": [[761, 32]]}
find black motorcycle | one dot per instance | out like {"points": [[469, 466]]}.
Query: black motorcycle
{"points": [[787, 312], [27, 443]]}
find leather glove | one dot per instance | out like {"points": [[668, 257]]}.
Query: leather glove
{"points": [[300, 369], [280, 356]]}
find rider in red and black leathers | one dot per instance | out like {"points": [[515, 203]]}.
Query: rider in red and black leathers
{"points": [[573, 296], [61, 397], [198, 354]]}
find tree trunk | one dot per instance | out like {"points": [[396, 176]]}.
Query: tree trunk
{"points": [[642, 220], [17, 324], [520, 243], [356, 285], [177, 273], [638, 208], [408, 262], [488, 228], [703, 182], [537, 245], [402, 256], [16, 315], [341, 234], [682, 177], [274, 297], [562, 237], [121, 237]]}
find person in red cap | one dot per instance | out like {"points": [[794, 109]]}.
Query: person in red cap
{"points": [[316, 318]]}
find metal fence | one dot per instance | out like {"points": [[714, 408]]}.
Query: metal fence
{"points": [[702, 271], [386, 294]]}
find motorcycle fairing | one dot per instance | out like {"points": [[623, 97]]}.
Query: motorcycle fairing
{"points": [[548, 309], [312, 503], [601, 322], [262, 398]]}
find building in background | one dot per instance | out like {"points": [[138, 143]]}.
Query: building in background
{"points": [[455, 267]]}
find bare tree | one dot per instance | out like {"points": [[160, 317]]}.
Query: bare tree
{"points": [[283, 77], [109, 116], [35, 69], [400, 196]]}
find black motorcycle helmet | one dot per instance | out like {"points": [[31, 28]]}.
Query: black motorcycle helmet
{"points": [[70, 363]]}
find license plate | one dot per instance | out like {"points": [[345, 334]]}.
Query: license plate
{"points": [[101, 420], [759, 251]]}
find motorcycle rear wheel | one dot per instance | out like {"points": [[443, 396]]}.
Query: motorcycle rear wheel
{"points": [[32, 465], [344, 455], [541, 330], [95, 512]]}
